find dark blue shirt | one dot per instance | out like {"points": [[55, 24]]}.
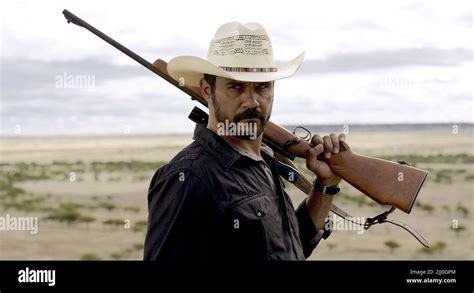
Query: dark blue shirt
{"points": [[212, 202]]}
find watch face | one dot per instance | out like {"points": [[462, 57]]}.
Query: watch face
{"points": [[332, 190]]}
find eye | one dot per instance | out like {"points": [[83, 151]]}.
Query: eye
{"points": [[236, 86], [263, 86]]}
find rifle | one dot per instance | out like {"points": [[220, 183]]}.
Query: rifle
{"points": [[386, 182]]}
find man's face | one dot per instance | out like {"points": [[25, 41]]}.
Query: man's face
{"points": [[242, 102]]}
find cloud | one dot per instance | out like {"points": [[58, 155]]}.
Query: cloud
{"points": [[380, 59], [363, 24], [465, 19], [27, 73], [366, 60]]}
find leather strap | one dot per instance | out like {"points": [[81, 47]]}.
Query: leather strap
{"points": [[290, 172]]}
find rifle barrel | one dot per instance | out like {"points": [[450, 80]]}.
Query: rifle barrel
{"points": [[71, 18]]}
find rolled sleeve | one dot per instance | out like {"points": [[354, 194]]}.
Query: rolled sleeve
{"points": [[309, 235]]}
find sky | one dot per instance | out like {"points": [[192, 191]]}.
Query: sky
{"points": [[366, 62]]}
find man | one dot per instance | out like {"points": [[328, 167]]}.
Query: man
{"points": [[221, 198]]}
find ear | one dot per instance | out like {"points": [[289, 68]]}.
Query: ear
{"points": [[205, 90]]}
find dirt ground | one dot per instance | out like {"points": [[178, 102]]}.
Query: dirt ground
{"points": [[89, 194]]}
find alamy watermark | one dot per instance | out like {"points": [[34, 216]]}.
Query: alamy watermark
{"points": [[350, 224], [12, 223], [75, 81], [28, 275], [242, 129]]}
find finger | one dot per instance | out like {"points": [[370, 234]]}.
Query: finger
{"points": [[314, 152], [335, 143], [327, 146], [317, 150], [312, 155], [316, 140], [342, 141], [342, 137]]}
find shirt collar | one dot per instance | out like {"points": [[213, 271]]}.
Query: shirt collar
{"points": [[225, 152]]}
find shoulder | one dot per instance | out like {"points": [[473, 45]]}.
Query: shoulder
{"points": [[190, 171], [179, 166]]}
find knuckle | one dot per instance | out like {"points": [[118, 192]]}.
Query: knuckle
{"points": [[316, 139], [327, 141], [318, 149]]}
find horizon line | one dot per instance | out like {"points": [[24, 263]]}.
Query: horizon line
{"points": [[288, 126]]}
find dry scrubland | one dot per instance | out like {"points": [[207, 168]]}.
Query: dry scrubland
{"points": [[89, 194]]}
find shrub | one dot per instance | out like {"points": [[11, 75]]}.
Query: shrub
{"points": [[464, 211], [392, 245], [132, 209], [121, 254], [138, 246], [90, 256], [140, 226], [114, 222]]}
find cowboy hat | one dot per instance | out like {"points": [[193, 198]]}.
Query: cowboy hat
{"points": [[237, 51]]}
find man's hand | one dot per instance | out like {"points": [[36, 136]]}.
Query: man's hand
{"points": [[329, 144]]}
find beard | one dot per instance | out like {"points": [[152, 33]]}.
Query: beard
{"points": [[253, 113]]}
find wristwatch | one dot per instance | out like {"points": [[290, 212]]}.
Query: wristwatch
{"points": [[329, 190]]}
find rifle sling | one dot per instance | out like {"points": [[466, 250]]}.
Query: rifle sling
{"points": [[303, 184]]}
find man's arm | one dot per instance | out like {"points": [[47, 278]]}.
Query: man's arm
{"points": [[313, 211], [311, 214], [318, 206]]}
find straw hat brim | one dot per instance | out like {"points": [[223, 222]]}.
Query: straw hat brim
{"points": [[190, 69]]}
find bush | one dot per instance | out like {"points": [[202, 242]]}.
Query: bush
{"points": [[458, 229], [86, 219], [114, 222], [68, 212], [464, 211], [121, 254], [7, 188], [107, 205], [64, 215], [469, 177], [392, 245], [427, 207], [138, 246], [90, 256], [132, 209], [446, 208], [443, 176], [331, 245], [439, 246], [140, 226]]}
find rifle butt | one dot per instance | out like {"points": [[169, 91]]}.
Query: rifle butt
{"points": [[387, 183]]}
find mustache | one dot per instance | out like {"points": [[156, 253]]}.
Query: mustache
{"points": [[249, 114]]}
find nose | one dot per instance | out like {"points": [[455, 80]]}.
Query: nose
{"points": [[250, 97]]}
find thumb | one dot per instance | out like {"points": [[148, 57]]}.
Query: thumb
{"points": [[314, 152]]}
